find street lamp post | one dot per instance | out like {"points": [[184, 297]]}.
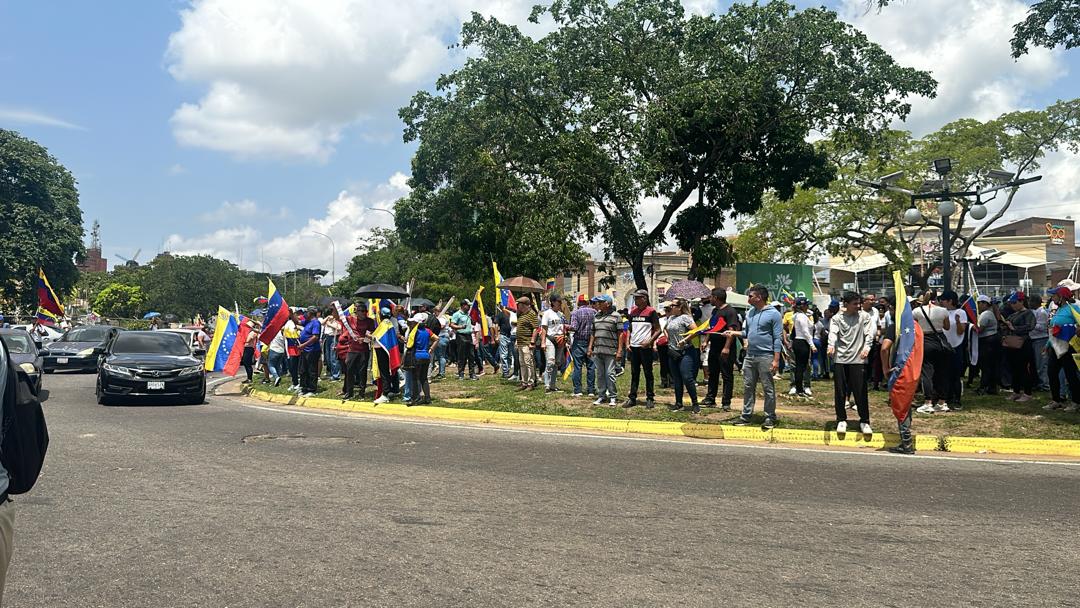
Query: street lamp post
{"points": [[295, 268], [939, 190], [333, 256]]}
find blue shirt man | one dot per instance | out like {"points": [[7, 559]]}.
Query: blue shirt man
{"points": [[763, 330]]}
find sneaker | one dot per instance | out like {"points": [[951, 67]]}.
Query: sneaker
{"points": [[841, 427], [277, 381], [619, 371], [629, 403], [726, 408], [1024, 398], [793, 391], [808, 393], [1071, 408], [1015, 396], [577, 395], [649, 404], [1054, 405], [941, 408], [742, 422], [674, 407], [592, 393], [381, 400], [768, 424], [696, 409], [851, 406], [708, 403], [473, 378], [865, 428], [613, 402], [902, 449], [925, 408], [514, 379], [777, 377], [600, 401], [307, 394]]}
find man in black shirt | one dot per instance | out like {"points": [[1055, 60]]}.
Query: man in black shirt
{"points": [[722, 353], [506, 341]]}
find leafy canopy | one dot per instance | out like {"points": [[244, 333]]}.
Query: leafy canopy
{"points": [[119, 300], [536, 145]]}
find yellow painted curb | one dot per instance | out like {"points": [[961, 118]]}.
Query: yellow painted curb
{"points": [[877, 441]]}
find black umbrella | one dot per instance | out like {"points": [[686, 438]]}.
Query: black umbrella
{"points": [[328, 300], [381, 290], [417, 302]]}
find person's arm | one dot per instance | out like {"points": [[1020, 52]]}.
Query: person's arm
{"points": [[834, 332], [588, 350], [886, 355], [777, 343], [543, 333], [962, 324], [655, 331], [946, 323]]}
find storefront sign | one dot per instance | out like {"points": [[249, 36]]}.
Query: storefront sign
{"points": [[1056, 234], [793, 279]]}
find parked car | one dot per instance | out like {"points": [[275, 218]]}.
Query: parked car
{"points": [[150, 363], [79, 348], [24, 353], [42, 334]]}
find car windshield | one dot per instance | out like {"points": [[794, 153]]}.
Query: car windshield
{"points": [[157, 343], [18, 344], [86, 334]]}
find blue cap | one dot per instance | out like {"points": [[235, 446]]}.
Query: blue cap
{"points": [[385, 311], [834, 304], [606, 298], [801, 301]]}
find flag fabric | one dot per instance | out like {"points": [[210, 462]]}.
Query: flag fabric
{"points": [[908, 349], [45, 317], [787, 298], [505, 298], [971, 309], [476, 313], [277, 314], [225, 329], [1075, 340], [236, 352], [47, 297], [569, 365], [551, 284], [345, 321], [385, 337]]}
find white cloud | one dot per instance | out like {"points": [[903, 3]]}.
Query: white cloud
{"points": [[229, 211], [177, 169], [348, 220], [31, 117], [965, 45]]}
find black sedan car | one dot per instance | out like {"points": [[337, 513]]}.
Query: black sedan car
{"points": [[24, 354], [79, 348], [150, 363]]}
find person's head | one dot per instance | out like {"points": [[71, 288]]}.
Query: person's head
{"points": [[927, 296], [1034, 301], [718, 297], [384, 312], [1060, 295], [361, 309], [983, 303], [606, 303], [678, 307], [641, 298], [834, 307], [524, 304], [758, 296], [312, 313], [1016, 301], [851, 302], [418, 319], [802, 304], [465, 304], [868, 301], [949, 299], [555, 300], [884, 303]]}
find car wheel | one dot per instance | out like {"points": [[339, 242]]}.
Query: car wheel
{"points": [[197, 400], [102, 398]]}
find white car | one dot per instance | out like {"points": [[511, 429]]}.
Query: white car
{"points": [[42, 334]]}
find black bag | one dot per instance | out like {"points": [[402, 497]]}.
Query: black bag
{"points": [[942, 341], [26, 437], [410, 358]]}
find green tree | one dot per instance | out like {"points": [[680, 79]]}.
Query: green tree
{"points": [[534, 145], [40, 220], [118, 300], [845, 218], [190, 285]]}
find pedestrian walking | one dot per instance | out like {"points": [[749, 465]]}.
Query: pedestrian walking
{"points": [[644, 330], [763, 331], [247, 357], [850, 345]]}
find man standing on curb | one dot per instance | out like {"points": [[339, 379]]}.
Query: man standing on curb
{"points": [[849, 344], [461, 323], [526, 327], [581, 327], [309, 353], [644, 329], [763, 331], [604, 348], [721, 351]]}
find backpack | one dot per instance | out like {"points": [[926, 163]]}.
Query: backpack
{"points": [[26, 437]]}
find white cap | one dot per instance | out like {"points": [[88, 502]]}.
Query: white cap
{"points": [[420, 317], [983, 298]]}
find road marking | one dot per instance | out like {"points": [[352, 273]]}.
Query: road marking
{"points": [[213, 383], [688, 441]]}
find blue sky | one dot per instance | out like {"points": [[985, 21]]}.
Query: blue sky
{"points": [[221, 125]]}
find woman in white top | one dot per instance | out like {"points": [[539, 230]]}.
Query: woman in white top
{"points": [[802, 345], [955, 362], [934, 321]]}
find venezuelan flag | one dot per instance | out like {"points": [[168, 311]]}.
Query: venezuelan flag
{"points": [[971, 309], [277, 314], [909, 354], [47, 297], [505, 299], [551, 284], [476, 313], [225, 330], [45, 317], [386, 338]]}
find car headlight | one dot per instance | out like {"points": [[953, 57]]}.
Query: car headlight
{"points": [[86, 352], [28, 368], [118, 370], [191, 371]]}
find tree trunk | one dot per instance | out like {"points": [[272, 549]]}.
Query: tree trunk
{"points": [[637, 265]]}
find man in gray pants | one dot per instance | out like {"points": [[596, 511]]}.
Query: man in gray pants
{"points": [[762, 330], [605, 348]]}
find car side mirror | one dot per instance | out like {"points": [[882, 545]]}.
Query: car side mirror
{"points": [[99, 350], [199, 352]]}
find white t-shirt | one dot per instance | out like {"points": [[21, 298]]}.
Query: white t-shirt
{"points": [[956, 317], [937, 315], [804, 329], [278, 344], [552, 322]]}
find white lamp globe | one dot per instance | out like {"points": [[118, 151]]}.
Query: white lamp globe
{"points": [[978, 211], [946, 208], [912, 216]]}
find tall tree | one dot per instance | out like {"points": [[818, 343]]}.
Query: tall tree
{"points": [[560, 139], [40, 220], [845, 219], [119, 300]]}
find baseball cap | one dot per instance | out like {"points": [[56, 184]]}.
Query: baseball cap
{"points": [[384, 311], [834, 304], [641, 293], [606, 298], [775, 303], [596, 299], [1060, 290], [418, 318], [581, 297], [1016, 296], [983, 298], [801, 301]]}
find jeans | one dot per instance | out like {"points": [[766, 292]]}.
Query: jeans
{"points": [[527, 363], [956, 362], [682, 365], [1066, 364], [641, 357], [933, 368], [721, 367], [248, 361], [664, 361], [309, 366], [605, 375], [409, 377], [758, 368], [551, 367], [294, 370], [850, 379], [1042, 376], [441, 352], [277, 364], [578, 350], [333, 366], [356, 368], [904, 426], [506, 355], [801, 348]]}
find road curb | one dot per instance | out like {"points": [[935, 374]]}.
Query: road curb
{"points": [[877, 441]]}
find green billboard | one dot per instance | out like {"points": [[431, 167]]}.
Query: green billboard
{"points": [[794, 279]]}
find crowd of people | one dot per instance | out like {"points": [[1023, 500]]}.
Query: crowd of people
{"points": [[694, 347]]}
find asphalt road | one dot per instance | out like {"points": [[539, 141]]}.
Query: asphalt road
{"points": [[227, 504]]}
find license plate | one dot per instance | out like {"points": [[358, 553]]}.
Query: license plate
{"points": [[61, 360], [155, 386]]}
